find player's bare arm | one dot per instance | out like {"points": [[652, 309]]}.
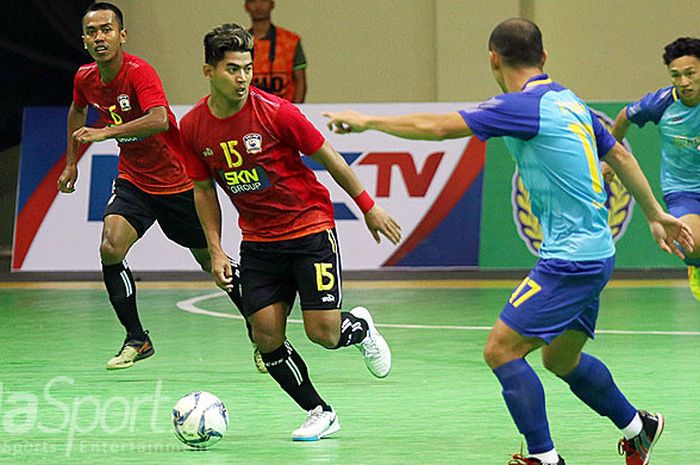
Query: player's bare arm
{"points": [[665, 228], [209, 213], [377, 219], [419, 126], [619, 130], [621, 125], [153, 122], [299, 76], [76, 119]]}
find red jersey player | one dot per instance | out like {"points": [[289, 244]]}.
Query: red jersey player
{"points": [[152, 184], [249, 142]]}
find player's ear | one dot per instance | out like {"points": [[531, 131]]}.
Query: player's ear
{"points": [[122, 36], [494, 60], [545, 55], [207, 70]]}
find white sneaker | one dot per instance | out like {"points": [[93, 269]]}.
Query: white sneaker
{"points": [[318, 424], [374, 348]]}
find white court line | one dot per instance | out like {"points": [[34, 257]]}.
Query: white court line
{"points": [[190, 306]]}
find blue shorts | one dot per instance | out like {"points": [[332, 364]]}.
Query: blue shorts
{"points": [[557, 296], [683, 203]]}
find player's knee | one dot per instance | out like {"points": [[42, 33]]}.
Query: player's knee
{"points": [[323, 335], [557, 365], [267, 341], [492, 355], [110, 252]]}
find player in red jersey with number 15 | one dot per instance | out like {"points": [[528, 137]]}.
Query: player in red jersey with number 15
{"points": [[151, 185], [249, 142]]}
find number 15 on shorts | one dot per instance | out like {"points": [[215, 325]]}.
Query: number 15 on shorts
{"points": [[325, 280]]}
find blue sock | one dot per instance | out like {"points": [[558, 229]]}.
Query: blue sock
{"points": [[524, 396], [692, 261], [592, 382]]}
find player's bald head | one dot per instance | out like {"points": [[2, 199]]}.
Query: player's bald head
{"points": [[518, 42]]}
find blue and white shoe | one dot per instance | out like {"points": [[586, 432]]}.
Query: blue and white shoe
{"points": [[318, 425], [374, 348]]}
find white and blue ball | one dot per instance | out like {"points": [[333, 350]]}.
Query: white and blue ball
{"points": [[200, 419]]}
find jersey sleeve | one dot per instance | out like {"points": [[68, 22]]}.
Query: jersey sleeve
{"points": [[603, 139], [297, 131], [651, 107], [78, 97], [148, 87], [299, 57], [194, 166], [515, 115]]}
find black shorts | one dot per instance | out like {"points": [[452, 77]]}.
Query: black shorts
{"points": [[175, 213], [275, 271]]}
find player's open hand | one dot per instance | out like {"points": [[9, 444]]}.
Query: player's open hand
{"points": [[379, 221], [669, 231], [86, 135], [344, 122], [66, 181], [221, 271]]}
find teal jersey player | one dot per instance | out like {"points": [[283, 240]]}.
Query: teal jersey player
{"points": [[556, 142], [675, 110], [679, 130]]}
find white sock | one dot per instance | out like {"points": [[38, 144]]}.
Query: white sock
{"points": [[547, 458], [634, 428]]}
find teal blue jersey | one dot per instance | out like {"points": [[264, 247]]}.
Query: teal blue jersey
{"points": [[679, 128], [556, 143]]}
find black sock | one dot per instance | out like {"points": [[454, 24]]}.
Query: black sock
{"points": [[352, 330], [286, 366], [122, 294]]}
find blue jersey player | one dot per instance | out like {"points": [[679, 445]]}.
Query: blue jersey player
{"points": [[675, 110], [556, 144]]}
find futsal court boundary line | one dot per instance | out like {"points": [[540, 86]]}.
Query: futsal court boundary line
{"points": [[358, 284], [190, 306]]}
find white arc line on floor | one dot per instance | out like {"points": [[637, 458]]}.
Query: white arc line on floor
{"points": [[190, 306]]}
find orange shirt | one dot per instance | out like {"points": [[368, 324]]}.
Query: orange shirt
{"points": [[275, 58]]}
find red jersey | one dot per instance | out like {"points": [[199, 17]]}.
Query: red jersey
{"points": [[254, 156], [152, 163]]}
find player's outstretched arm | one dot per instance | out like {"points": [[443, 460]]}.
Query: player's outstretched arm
{"points": [[154, 121], [665, 228], [618, 131], [76, 119], [418, 126], [377, 219], [209, 212], [621, 125]]}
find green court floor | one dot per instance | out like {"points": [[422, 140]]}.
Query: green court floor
{"points": [[440, 405]]}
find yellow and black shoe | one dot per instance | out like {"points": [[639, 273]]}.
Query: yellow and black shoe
{"points": [[132, 351], [258, 361], [694, 281]]}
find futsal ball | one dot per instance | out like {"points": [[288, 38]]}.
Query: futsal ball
{"points": [[200, 419]]}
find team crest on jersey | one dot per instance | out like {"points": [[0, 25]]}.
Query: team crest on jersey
{"points": [[252, 142], [207, 152], [619, 204], [124, 102]]}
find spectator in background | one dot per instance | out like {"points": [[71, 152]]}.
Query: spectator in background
{"points": [[280, 64]]}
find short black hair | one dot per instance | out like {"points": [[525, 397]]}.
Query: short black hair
{"points": [[99, 6], [683, 46], [228, 37], [519, 43]]}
